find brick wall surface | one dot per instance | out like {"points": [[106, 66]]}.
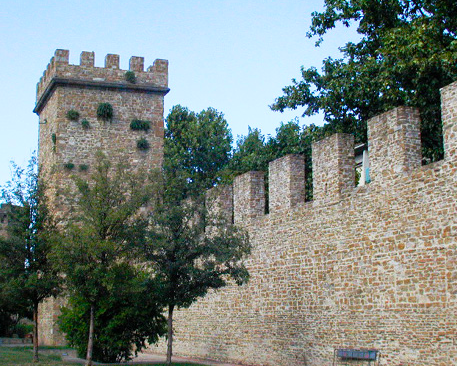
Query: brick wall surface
{"points": [[82, 88], [370, 267], [248, 196], [287, 182], [333, 168]]}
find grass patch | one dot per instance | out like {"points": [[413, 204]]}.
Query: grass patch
{"points": [[23, 356]]}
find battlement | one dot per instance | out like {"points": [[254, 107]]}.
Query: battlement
{"points": [[60, 72], [348, 269], [395, 153]]}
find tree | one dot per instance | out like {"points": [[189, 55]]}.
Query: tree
{"points": [[196, 147], [191, 251], [186, 260], [26, 272], [250, 153], [407, 52], [106, 225], [129, 315]]}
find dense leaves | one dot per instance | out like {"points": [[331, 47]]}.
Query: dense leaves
{"points": [[191, 249], [407, 52], [125, 319], [106, 224], [196, 147], [27, 276]]}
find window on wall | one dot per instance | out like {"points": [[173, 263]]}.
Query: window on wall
{"points": [[362, 165]]}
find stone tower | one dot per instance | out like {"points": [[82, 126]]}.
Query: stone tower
{"points": [[72, 130]]}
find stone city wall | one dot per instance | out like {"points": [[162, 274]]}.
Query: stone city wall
{"points": [[373, 266]]}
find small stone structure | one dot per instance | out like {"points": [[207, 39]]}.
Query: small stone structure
{"points": [[368, 267], [68, 146]]}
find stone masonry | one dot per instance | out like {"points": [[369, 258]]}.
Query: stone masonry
{"points": [[373, 266], [64, 142]]}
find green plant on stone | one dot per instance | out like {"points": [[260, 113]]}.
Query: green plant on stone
{"points": [[130, 77], [54, 141], [142, 144], [85, 124], [73, 115], [358, 175], [83, 167], [105, 111], [69, 166], [139, 125]]}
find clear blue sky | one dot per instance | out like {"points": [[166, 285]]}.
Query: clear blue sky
{"points": [[232, 55]]}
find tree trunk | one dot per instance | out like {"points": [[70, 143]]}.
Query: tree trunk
{"points": [[170, 334], [35, 332], [90, 343]]}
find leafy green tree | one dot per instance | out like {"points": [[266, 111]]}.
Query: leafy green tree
{"points": [[250, 153], [191, 251], [8, 317], [196, 147], [26, 272], [106, 224], [407, 52], [126, 318], [291, 139]]}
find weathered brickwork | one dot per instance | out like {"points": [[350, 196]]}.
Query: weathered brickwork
{"points": [[248, 196], [367, 267], [333, 168], [394, 143], [219, 202], [287, 182], [449, 111], [82, 88], [48, 331], [364, 267]]}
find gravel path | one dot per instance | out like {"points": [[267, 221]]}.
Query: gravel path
{"points": [[148, 358]]}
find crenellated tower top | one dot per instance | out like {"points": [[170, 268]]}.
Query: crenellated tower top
{"points": [[60, 72]]}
